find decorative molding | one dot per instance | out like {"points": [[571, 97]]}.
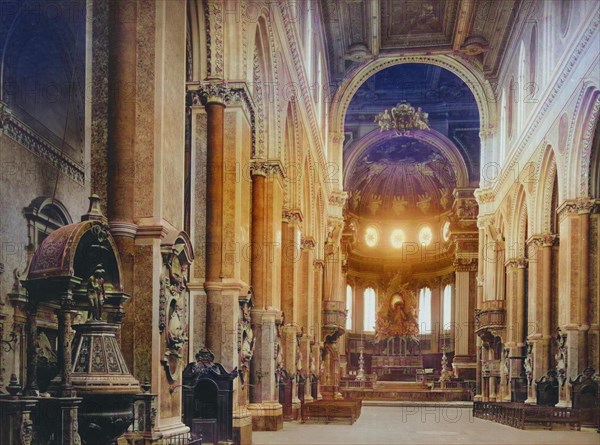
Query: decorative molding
{"points": [[586, 147], [21, 133], [124, 229], [217, 61]]}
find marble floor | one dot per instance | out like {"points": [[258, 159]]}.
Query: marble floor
{"points": [[419, 425]]}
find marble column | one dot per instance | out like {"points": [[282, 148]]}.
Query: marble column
{"points": [[290, 261], [121, 139], [266, 411]]}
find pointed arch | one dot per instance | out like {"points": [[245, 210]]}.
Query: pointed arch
{"points": [[547, 177], [520, 227], [580, 144]]}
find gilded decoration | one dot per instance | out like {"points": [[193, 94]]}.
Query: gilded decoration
{"points": [[402, 118], [397, 315], [245, 334]]}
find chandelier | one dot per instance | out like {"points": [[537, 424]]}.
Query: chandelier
{"points": [[402, 118]]}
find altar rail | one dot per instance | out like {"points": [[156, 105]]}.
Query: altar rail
{"points": [[345, 384], [518, 415]]}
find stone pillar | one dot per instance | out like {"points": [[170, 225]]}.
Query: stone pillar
{"points": [[31, 387], [267, 414], [121, 139], [290, 351], [516, 321], [307, 276], [290, 261], [573, 291], [464, 362], [266, 411], [539, 335], [305, 349]]}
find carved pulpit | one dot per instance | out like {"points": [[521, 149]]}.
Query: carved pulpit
{"points": [[76, 274]]}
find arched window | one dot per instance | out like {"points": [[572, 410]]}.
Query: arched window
{"points": [[370, 309], [425, 310], [447, 307], [348, 307], [44, 215]]}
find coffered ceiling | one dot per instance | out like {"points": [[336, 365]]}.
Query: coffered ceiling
{"points": [[358, 30]]}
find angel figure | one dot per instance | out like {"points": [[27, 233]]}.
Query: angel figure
{"points": [[375, 204], [424, 202], [445, 198], [384, 120], [399, 205]]}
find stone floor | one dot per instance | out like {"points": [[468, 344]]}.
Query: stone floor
{"points": [[419, 425]]}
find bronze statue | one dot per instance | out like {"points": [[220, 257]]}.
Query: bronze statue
{"points": [[95, 292]]}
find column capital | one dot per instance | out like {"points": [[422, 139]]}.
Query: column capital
{"points": [[215, 91], [465, 264], [572, 207], [338, 198], [292, 215], [516, 263], [319, 264], [488, 132], [484, 195], [337, 137], [262, 167], [308, 242]]}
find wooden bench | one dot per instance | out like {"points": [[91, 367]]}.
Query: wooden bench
{"points": [[328, 410], [518, 415]]}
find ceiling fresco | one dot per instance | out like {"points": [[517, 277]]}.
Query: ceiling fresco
{"points": [[401, 178]]}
